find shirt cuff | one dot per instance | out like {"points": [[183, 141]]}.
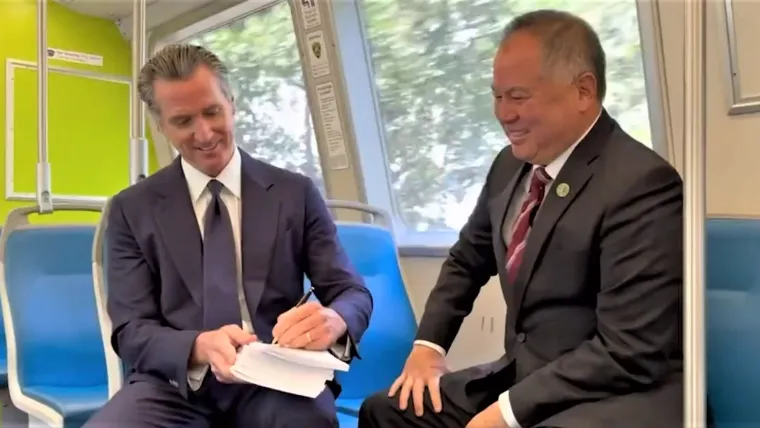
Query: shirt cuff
{"points": [[431, 345], [195, 377], [506, 411]]}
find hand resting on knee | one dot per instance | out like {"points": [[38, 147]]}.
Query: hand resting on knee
{"points": [[218, 349], [423, 369]]}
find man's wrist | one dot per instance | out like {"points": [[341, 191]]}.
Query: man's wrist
{"points": [[197, 355]]}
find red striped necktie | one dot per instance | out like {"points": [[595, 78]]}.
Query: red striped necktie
{"points": [[516, 245]]}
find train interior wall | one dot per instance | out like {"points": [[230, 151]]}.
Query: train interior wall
{"points": [[88, 116]]}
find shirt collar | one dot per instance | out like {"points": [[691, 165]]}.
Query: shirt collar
{"points": [[554, 167], [229, 177]]}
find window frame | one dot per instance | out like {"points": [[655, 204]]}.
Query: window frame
{"points": [[354, 56], [351, 31], [241, 11], [235, 13], [165, 151]]}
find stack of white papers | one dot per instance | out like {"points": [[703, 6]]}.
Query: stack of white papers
{"points": [[295, 371]]}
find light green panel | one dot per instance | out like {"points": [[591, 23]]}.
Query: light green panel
{"points": [[82, 134], [88, 121]]}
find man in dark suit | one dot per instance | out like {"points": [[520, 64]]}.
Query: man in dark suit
{"points": [[583, 225], [209, 254]]}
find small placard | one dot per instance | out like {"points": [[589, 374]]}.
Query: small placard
{"points": [[310, 14], [320, 65], [76, 57]]}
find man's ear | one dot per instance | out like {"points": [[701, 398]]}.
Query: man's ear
{"points": [[586, 84]]}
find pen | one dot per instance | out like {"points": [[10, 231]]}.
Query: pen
{"points": [[300, 302]]}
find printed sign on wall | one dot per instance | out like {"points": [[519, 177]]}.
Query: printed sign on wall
{"points": [[77, 57]]}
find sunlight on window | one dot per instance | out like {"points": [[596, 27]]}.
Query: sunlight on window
{"points": [[432, 63], [273, 121]]}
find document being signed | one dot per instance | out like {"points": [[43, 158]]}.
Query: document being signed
{"points": [[295, 371]]}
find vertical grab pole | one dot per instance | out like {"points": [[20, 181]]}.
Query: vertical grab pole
{"points": [[138, 148], [694, 215], [44, 199]]}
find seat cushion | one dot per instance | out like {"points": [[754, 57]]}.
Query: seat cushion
{"points": [[732, 321], [349, 406], [74, 404], [3, 366], [347, 421]]}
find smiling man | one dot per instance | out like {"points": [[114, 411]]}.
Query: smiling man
{"points": [[210, 254], [583, 226]]}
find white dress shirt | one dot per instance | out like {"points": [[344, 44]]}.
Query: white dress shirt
{"points": [[230, 177], [552, 170]]}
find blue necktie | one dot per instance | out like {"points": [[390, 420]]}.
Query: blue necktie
{"points": [[220, 295]]}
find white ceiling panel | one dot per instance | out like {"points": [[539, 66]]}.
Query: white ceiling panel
{"points": [[157, 12], [174, 15], [107, 9]]}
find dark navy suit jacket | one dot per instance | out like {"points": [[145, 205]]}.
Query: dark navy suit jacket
{"points": [[155, 296]]}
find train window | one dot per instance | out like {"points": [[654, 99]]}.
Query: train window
{"points": [[432, 65], [273, 119]]}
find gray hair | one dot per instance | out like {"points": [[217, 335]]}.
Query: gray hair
{"points": [[179, 62], [571, 46]]}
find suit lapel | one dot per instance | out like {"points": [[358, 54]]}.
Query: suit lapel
{"points": [[499, 210], [178, 226], [502, 202], [575, 173], [259, 229]]}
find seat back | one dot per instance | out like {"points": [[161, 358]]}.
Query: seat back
{"points": [[51, 320], [733, 320], [387, 342], [3, 352], [114, 366]]}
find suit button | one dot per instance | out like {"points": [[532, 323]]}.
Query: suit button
{"points": [[521, 337]]}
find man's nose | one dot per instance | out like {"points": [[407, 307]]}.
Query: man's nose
{"points": [[203, 131], [506, 113]]}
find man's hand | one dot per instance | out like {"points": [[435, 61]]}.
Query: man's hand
{"points": [[423, 369], [218, 349], [309, 326], [491, 417]]}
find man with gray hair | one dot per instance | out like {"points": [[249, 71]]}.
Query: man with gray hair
{"points": [[583, 226], [209, 254]]}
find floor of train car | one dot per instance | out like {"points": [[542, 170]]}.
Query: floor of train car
{"points": [[12, 417]]}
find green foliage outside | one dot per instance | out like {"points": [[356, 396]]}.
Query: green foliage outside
{"points": [[432, 65]]}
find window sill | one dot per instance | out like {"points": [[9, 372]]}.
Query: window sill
{"points": [[425, 244]]}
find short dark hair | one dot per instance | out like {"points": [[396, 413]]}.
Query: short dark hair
{"points": [[570, 43]]}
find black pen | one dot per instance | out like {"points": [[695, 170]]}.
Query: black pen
{"points": [[300, 302]]}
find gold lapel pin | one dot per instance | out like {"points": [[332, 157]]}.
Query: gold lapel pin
{"points": [[563, 189]]}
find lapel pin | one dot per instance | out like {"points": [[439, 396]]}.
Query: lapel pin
{"points": [[563, 189]]}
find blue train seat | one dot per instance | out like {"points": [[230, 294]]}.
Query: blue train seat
{"points": [[733, 321], [347, 421], [57, 372], [3, 353], [388, 340]]}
